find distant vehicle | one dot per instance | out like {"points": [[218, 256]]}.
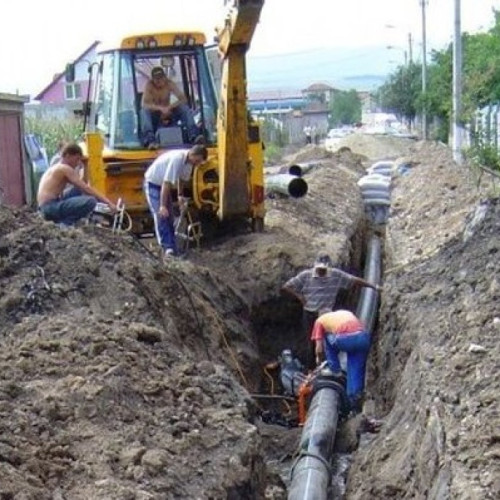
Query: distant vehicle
{"points": [[334, 136]]}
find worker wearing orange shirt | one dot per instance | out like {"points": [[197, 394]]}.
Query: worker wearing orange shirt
{"points": [[338, 331]]}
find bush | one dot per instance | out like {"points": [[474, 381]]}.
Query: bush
{"points": [[51, 131], [483, 154], [272, 153]]}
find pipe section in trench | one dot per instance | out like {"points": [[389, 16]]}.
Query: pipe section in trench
{"points": [[311, 474]]}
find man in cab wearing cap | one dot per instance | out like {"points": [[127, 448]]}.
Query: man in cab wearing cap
{"points": [[158, 107], [317, 289]]}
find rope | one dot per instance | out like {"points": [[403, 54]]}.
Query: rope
{"points": [[224, 338], [266, 371], [136, 240]]}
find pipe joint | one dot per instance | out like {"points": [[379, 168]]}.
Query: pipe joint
{"points": [[334, 381]]}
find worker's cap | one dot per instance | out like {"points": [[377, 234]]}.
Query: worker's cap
{"points": [[157, 71], [322, 261]]}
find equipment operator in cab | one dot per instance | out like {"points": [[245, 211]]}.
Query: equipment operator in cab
{"points": [[158, 108]]}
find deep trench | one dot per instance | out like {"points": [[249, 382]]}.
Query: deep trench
{"points": [[277, 323]]}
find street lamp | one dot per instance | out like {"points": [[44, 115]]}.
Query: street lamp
{"points": [[393, 47], [410, 43]]}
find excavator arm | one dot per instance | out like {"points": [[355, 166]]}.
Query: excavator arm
{"points": [[232, 122]]}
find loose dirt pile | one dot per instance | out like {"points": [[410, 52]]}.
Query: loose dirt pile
{"points": [[107, 389], [435, 373], [122, 378], [376, 147]]}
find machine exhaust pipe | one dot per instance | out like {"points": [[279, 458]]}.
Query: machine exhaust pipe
{"points": [[286, 184]]}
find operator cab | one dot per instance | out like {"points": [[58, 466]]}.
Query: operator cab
{"points": [[120, 81]]}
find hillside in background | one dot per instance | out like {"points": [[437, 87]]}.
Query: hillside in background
{"points": [[361, 68]]}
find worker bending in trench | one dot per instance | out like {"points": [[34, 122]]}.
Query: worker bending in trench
{"points": [[317, 289], [163, 178], [342, 331]]}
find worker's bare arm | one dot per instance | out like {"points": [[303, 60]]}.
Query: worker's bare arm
{"points": [[73, 178]]}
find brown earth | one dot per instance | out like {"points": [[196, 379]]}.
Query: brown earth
{"points": [[123, 378], [435, 373]]}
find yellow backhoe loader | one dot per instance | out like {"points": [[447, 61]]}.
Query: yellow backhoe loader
{"points": [[231, 183]]}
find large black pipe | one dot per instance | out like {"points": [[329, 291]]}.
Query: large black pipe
{"points": [[291, 169], [311, 475], [286, 184], [369, 298], [306, 166]]}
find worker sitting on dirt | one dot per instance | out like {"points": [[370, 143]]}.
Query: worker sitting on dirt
{"points": [[163, 179], [158, 110], [317, 289], [65, 206], [338, 331]]}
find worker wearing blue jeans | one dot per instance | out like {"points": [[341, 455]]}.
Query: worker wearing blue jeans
{"points": [[164, 226], [69, 208], [165, 176], [342, 331], [59, 204]]}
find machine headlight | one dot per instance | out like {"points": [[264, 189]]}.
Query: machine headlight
{"points": [[140, 44]]}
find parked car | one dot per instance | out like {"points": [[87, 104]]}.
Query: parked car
{"points": [[334, 137]]}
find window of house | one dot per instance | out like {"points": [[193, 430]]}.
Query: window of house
{"points": [[72, 91]]}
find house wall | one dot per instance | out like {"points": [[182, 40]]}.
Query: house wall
{"points": [[294, 123], [319, 122], [15, 177], [55, 94]]}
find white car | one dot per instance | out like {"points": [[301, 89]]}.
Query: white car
{"points": [[334, 136]]}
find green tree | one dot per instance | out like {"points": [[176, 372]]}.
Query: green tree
{"points": [[345, 109], [401, 93]]}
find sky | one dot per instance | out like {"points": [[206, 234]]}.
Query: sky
{"points": [[38, 37]]}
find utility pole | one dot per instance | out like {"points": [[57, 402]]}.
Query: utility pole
{"points": [[457, 86], [410, 48], [424, 71]]}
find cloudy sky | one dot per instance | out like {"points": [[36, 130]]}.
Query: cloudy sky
{"points": [[38, 37]]}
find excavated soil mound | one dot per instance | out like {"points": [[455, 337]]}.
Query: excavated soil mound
{"points": [[376, 147], [435, 372], [123, 378], [113, 382]]}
